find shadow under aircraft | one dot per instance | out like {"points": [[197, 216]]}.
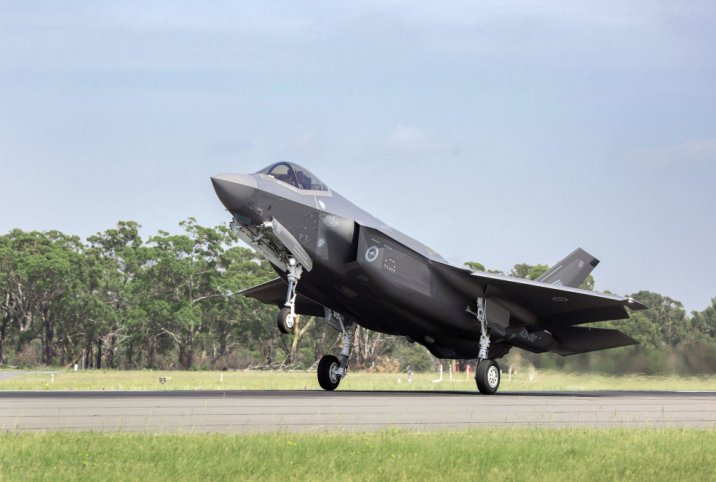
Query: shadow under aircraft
{"points": [[336, 261]]}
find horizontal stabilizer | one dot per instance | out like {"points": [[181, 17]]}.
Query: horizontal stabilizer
{"points": [[274, 293], [579, 339], [571, 271]]}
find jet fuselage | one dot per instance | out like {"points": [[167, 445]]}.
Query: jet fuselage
{"points": [[355, 265], [362, 268]]}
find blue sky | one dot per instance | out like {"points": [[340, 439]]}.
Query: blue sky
{"points": [[494, 131]]}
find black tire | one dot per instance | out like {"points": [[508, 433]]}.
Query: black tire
{"points": [[282, 320], [487, 377], [327, 378]]}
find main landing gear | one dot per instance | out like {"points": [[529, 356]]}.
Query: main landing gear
{"points": [[487, 374], [328, 377], [286, 319], [332, 369]]}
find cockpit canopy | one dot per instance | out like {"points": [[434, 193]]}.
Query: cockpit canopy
{"points": [[295, 175]]}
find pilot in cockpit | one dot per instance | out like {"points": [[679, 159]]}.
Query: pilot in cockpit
{"points": [[304, 182], [294, 175]]}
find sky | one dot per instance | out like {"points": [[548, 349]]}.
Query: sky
{"points": [[492, 131]]}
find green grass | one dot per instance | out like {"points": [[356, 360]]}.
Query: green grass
{"points": [[306, 380], [569, 454]]}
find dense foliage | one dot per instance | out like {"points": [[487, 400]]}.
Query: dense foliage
{"points": [[117, 300]]}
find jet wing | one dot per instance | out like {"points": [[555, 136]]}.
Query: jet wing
{"points": [[557, 306], [274, 293], [543, 305]]}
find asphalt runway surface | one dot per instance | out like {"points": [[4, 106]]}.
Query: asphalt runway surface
{"points": [[311, 411]]}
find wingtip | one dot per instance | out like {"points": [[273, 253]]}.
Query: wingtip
{"points": [[635, 305]]}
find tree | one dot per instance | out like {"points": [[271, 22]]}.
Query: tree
{"points": [[39, 281], [188, 274], [119, 301], [528, 271], [117, 257], [242, 321], [7, 307], [588, 283], [667, 314], [475, 266], [704, 322], [640, 327]]}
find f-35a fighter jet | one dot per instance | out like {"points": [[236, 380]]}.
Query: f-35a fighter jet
{"points": [[336, 261]]}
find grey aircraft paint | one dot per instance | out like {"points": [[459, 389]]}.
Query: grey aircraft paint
{"points": [[359, 267]]}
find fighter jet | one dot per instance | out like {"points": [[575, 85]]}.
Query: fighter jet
{"points": [[336, 261]]}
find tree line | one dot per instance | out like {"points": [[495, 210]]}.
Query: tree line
{"points": [[117, 300]]}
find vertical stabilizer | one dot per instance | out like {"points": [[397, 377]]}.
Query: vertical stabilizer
{"points": [[572, 270]]}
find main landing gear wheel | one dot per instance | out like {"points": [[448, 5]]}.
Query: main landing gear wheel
{"points": [[327, 376], [285, 320], [487, 376]]}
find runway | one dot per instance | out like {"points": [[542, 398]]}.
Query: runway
{"points": [[311, 411]]}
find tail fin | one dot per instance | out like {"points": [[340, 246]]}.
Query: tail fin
{"points": [[572, 270]]}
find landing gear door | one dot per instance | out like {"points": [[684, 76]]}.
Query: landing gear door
{"points": [[292, 245]]}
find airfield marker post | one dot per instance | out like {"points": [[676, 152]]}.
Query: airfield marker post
{"points": [[440, 374]]}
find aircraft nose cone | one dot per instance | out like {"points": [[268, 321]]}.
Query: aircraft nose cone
{"points": [[234, 190]]}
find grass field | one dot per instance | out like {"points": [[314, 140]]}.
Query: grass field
{"points": [[306, 380], [512, 454], [570, 454]]}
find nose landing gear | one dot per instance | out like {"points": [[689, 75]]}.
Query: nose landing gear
{"points": [[286, 319]]}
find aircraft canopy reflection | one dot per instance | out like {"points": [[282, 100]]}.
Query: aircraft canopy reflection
{"points": [[295, 175]]}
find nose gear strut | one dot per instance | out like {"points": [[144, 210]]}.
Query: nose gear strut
{"points": [[286, 319]]}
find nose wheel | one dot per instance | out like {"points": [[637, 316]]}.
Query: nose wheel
{"points": [[285, 320]]}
